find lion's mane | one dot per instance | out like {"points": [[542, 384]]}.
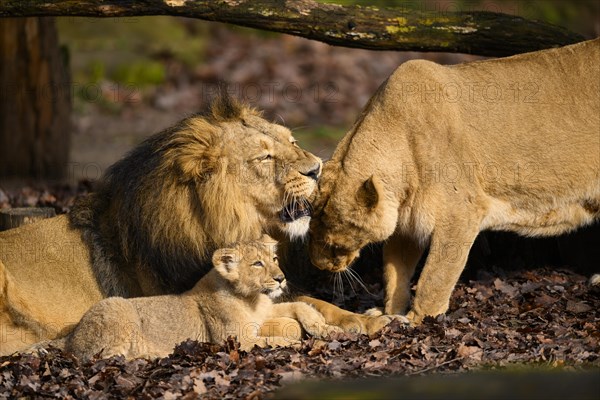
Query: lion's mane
{"points": [[165, 207]]}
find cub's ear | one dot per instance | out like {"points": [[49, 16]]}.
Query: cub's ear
{"points": [[269, 242], [226, 260], [370, 192]]}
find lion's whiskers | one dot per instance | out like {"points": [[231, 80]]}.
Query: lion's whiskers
{"points": [[292, 202], [286, 195], [349, 277], [359, 280], [338, 286]]}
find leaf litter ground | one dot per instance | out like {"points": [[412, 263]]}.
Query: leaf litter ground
{"points": [[543, 317]]}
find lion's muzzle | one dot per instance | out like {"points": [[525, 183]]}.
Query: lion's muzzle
{"points": [[295, 210]]}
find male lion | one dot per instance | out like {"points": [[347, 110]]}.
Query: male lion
{"points": [[155, 219], [234, 298], [442, 153]]}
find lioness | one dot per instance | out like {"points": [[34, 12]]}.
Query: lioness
{"points": [[158, 214], [234, 298], [441, 153]]}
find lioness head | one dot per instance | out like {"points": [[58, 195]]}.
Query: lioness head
{"points": [[349, 214], [251, 268]]}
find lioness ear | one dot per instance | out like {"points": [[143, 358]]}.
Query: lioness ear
{"points": [[226, 260], [369, 192]]}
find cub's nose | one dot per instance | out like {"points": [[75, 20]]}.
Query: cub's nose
{"points": [[279, 278], [313, 173]]}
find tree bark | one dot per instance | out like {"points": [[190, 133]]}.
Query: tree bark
{"points": [[35, 100], [481, 33], [15, 217]]}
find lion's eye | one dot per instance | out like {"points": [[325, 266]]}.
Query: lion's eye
{"points": [[295, 143], [268, 157], [275, 259], [258, 264]]}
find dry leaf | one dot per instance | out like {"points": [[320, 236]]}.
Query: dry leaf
{"points": [[577, 307]]}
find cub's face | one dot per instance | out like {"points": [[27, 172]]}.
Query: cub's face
{"points": [[276, 177], [252, 268], [349, 214]]}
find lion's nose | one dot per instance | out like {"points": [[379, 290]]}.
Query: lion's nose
{"points": [[279, 278], [314, 173]]}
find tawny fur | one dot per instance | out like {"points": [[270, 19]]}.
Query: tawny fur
{"points": [[233, 299], [155, 219], [441, 153]]}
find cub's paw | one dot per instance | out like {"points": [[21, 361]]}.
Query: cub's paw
{"points": [[269, 341], [284, 342], [321, 330]]}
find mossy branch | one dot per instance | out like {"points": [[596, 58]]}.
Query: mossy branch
{"points": [[481, 33]]}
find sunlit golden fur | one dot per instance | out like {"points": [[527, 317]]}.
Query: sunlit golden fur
{"points": [[155, 219], [153, 222], [212, 180], [443, 152], [233, 299]]}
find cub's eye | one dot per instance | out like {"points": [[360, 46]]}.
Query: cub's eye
{"points": [[275, 258], [295, 143], [258, 264]]}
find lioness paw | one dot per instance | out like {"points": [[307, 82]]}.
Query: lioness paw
{"points": [[374, 312], [403, 319], [375, 324], [330, 329], [413, 318]]}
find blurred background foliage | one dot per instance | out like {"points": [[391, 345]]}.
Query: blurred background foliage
{"points": [[134, 76]]}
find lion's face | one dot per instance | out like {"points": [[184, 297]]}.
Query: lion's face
{"points": [[349, 214], [252, 268], [276, 176], [250, 177]]}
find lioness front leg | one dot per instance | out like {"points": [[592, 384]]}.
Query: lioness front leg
{"points": [[346, 320], [400, 257], [311, 320], [451, 242]]}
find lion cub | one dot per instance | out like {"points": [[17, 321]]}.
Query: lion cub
{"points": [[234, 298]]}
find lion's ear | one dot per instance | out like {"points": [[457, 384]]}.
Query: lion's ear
{"points": [[226, 260], [370, 192], [194, 166], [196, 155], [224, 107]]}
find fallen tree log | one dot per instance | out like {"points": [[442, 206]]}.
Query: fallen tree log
{"points": [[480, 33], [15, 217]]}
